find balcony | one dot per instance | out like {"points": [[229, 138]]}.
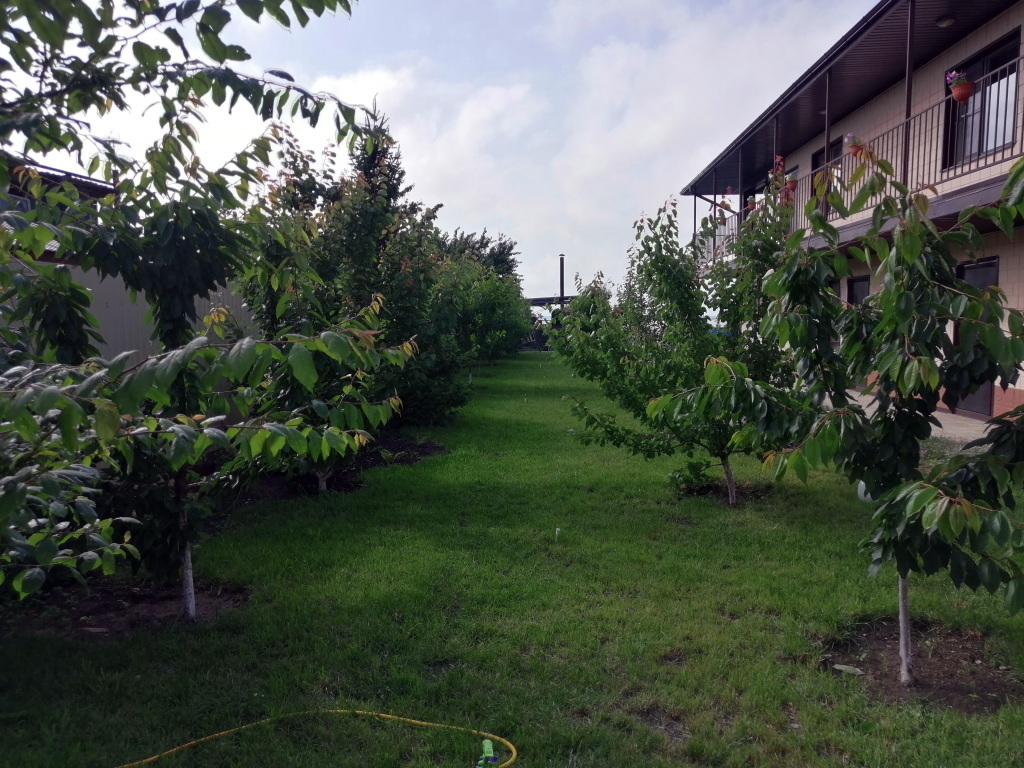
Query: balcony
{"points": [[954, 148]]}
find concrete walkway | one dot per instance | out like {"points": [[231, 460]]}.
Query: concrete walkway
{"points": [[962, 429]]}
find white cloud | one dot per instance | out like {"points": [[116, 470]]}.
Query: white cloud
{"points": [[631, 101]]}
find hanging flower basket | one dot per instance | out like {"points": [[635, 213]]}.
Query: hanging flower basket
{"points": [[961, 88], [855, 144], [962, 92]]}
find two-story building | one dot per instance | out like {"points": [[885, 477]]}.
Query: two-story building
{"points": [[885, 82]]}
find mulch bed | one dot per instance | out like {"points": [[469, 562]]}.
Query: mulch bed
{"points": [[388, 448], [717, 490], [114, 607], [951, 666]]}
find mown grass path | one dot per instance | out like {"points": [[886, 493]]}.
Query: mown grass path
{"points": [[652, 632]]}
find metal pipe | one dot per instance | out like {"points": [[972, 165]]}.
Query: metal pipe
{"points": [[561, 279]]}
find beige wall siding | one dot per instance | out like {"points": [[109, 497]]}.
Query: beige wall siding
{"points": [[123, 324], [1011, 266]]}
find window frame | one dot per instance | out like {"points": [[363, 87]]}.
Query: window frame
{"points": [[954, 155]]}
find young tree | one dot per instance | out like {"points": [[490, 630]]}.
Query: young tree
{"points": [[68, 420], [363, 236], [655, 339], [960, 515], [497, 255]]}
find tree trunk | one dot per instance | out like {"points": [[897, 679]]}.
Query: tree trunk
{"points": [[730, 481], [321, 480], [906, 665], [188, 587]]}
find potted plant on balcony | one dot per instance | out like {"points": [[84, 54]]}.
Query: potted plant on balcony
{"points": [[751, 202], [790, 181], [856, 145], [961, 88]]}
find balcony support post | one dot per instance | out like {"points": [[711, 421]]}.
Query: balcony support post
{"points": [[908, 91], [741, 206], [828, 115], [714, 212], [828, 146]]}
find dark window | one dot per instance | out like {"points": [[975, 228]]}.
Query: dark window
{"points": [[835, 151], [986, 122], [981, 274], [857, 289]]}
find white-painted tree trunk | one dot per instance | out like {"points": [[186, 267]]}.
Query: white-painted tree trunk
{"points": [[906, 664], [321, 480], [188, 587], [730, 481]]}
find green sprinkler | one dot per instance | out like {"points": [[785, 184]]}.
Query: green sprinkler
{"points": [[488, 755]]}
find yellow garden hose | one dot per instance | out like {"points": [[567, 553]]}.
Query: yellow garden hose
{"points": [[378, 715]]}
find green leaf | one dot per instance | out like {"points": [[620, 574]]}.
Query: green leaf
{"points": [[87, 561], [47, 399], [798, 464], [920, 499], [1000, 528], [28, 581], [282, 305], [300, 360], [45, 551], [241, 358], [251, 8], [990, 574], [106, 420], [1015, 595], [68, 422]]}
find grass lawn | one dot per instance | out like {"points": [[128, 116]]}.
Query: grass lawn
{"points": [[652, 632]]}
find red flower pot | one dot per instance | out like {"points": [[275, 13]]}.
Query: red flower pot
{"points": [[791, 185], [962, 92], [856, 149]]}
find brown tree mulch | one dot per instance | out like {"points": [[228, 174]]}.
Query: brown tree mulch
{"points": [[951, 666], [745, 491], [114, 607]]}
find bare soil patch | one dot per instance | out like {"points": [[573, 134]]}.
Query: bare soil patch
{"points": [[952, 667], [114, 607], [717, 490], [667, 722]]}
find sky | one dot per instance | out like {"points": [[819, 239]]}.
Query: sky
{"points": [[555, 122]]}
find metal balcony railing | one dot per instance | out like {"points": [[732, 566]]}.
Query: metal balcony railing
{"points": [[942, 146], [944, 143]]}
